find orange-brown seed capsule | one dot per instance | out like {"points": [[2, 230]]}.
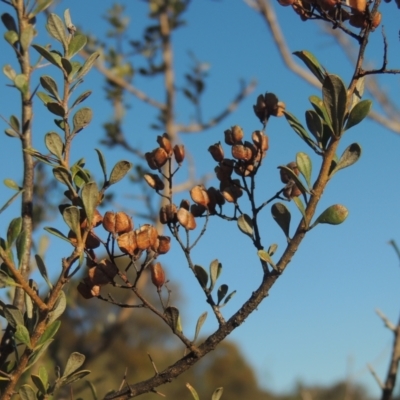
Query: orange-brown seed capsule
{"points": [[237, 133], [217, 152], [157, 275], [85, 289], [97, 219], [154, 181], [160, 157], [199, 195], [285, 176], [165, 143], [260, 140], [232, 193], [376, 20], [127, 243], [285, 3], [117, 223], [179, 153], [168, 213], [186, 219], [241, 152], [150, 160], [197, 210], [164, 244], [146, 237]]}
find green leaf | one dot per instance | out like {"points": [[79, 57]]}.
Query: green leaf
{"points": [[44, 97], [267, 258], [121, 168], [199, 324], [49, 333], [230, 295], [41, 5], [300, 130], [49, 84], [26, 392], [13, 316], [67, 19], [90, 199], [56, 108], [281, 215], [172, 316], [201, 275], [11, 133], [80, 176], [56, 29], [71, 216], [22, 335], [319, 107], [57, 233], [334, 96], [9, 22], [14, 122], [10, 201], [358, 92], [54, 144], [314, 124], [349, 157], [215, 272], [21, 83], [77, 43], [27, 35], [103, 164], [11, 37], [67, 66], [49, 56], [6, 280], [62, 175], [86, 67], [272, 249], [333, 215], [217, 393], [75, 377], [37, 353], [59, 307], [11, 184], [42, 387], [300, 206], [44, 377], [9, 72], [43, 270], [193, 391], [74, 362], [312, 64], [245, 224], [295, 178], [358, 113], [81, 98], [221, 292], [304, 165], [82, 119], [21, 245], [14, 229]]}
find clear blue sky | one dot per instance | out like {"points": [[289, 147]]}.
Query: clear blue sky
{"points": [[318, 324]]}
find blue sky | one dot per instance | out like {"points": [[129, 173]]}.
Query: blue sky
{"points": [[318, 325]]}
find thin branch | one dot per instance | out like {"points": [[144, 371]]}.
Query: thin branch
{"points": [[386, 320], [375, 375]]}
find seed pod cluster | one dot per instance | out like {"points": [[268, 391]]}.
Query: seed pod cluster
{"points": [[267, 105]]}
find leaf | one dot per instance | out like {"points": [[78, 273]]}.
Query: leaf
{"points": [[9, 72], [6, 281], [75, 377], [14, 122], [172, 315], [26, 392], [221, 292], [201, 275], [41, 5], [49, 84], [22, 335], [9, 22], [13, 316], [62, 175], [81, 98], [13, 231], [44, 97], [21, 245], [314, 124], [102, 162], [230, 295], [90, 199], [49, 56], [349, 157], [312, 64], [49, 333], [358, 92], [358, 113], [217, 393], [56, 108], [272, 249], [67, 66], [267, 258], [10, 201], [300, 206], [304, 165], [294, 177], [11, 37], [27, 35], [56, 29], [11, 184], [199, 324], [74, 362], [54, 144], [21, 83], [87, 65], [281, 215], [39, 383], [245, 224], [215, 271], [71, 216], [299, 129], [333, 215], [334, 96], [121, 168], [320, 109], [82, 119], [42, 269], [77, 43], [57, 233], [11, 133], [37, 353], [59, 307], [193, 391]]}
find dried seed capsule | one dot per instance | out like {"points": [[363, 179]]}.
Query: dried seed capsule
{"points": [[217, 152], [97, 219], [241, 152], [199, 195], [260, 140], [85, 289], [215, 196], [127, 243], [168, 214], [179, 153], [185, 204], [103, 273], [164, 244], [285, 3], [146, 237], [232, 193], [117, 223], [157, 275], [291, 190], [154, 181], [186, 219], [285, 176], [150, 160], [376, 20], [165, 143], [358, 6], [160, 157], [237, 133], [197, 210]]}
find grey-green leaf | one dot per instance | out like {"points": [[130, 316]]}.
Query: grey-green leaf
{"points": [[43, 270], [193, 391], [26, 392], [300, 206], [199, 324], [13, 316], [74, 377], [14, 229], [11, 37], [74, 362], [49, 84], [82, 119], [49, 333], [51, 57], [267, 258], [87, 65], [71, 216], [56, 29], [217, 393], [358, 113], [77, 43], [281, 215], [9, 72], [21, 83], [230, 295], [54, 144], [27, 36], [62, 175], [333, 215], [300, 130], [44, 97], [120, 169], [334, 95], [56, 108], [21, 244], [90, 199], [11, 184], [304, 165], [102, 162], [215, 272], [81, 98], [57, 233], [295, 178], [201, 275], [172, 315], [39, 383], [59, 307], [349, 157], [245, 224], [41, 5], [221, 292], [312, 64], [22, 335]]}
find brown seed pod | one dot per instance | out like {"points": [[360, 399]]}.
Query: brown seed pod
{"points": [[150, 160], [186, 219], [197, 210], [237, 133], [117, 223], [85, 289], [168, 213], [154, 181], [376, 20], [285, 176], [245, 169], [199, 195], [232, 193], [185, 204], [358, 6], [215, 195], [146, 237], [217, 152], [127, 243], [328, 4], [103, 273], [160, 157], [92, 241], [91, 260], [179, 153], [165, 143], [164, 244], [157, 275], [291, 190], [97, 219], [241, 152], [260, 140]]}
